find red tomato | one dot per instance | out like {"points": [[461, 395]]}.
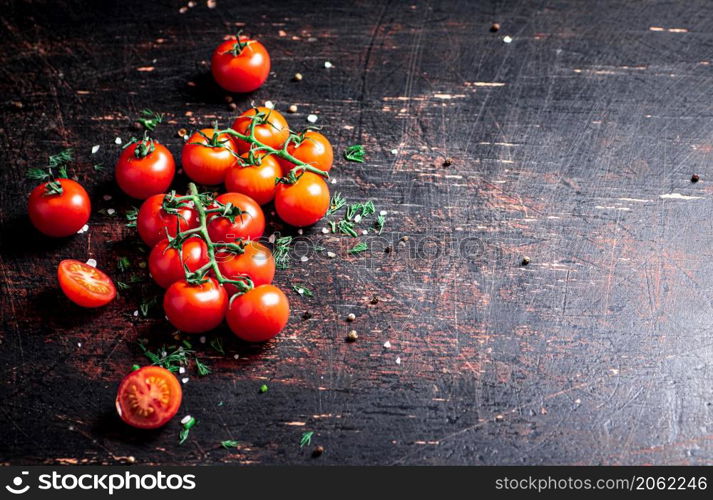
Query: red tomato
{"points": [[256, 262], [195, 308], [304, 202], [270, 128], [148, 397], [239, 68], [249, 225], [145, 175], [61, 214], [313, 149], [208, 164], [256, 180], [166, 264], [85, 285], [258, 315], [153, 221]]}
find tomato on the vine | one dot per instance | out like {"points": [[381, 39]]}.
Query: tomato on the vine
{"points": [[240, 64], [304, 202], [85, 285], [249, 223], [166, 261], [256, 178], [270, 128], [153, 222], [259, 314], [148, 397], [312, 148], [195, 308], [144, 168], [256, 262], [59, 208], [207, 158]]}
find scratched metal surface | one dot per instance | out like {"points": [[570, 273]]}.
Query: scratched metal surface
{"points": [[574, 144]]}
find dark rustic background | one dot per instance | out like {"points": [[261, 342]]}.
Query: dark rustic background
{"points": [[574, 145]]}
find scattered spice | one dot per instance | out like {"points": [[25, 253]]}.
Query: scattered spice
{"points": [[495, 27], [499, 418], [306, 315], [292, 108], [232, 106], [351, 317], [695, 178], [297, 77], [352, 336], [317, 452], [447, 162], [388, 249], [525, 260], [182, 132], [374, 299]]}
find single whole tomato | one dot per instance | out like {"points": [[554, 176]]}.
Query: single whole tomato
{"points": [[259, 314], [249, 224], [240, 66], [256, 262], [195, 308], [85, 285], [153, 221], [304, 202], [206, 158], [256, 178], [312, 148], [270, 128], [144, 168], [166, 262], [59, 208], [148, 397]]}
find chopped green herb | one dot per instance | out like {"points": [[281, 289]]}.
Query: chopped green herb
{"points": [[306, 439], [355, 153], [336, 203], [333, 226], [187, 344], [98, 167], [358, 248], [135, 278], [122, 285], [123, 264], [303, 290], [149, 119], [171, 361], [61, 159], [360, 209], [379, 224], [263, 388], [131, 216], [146, 306], [281, 252], [229, 443], [217, 344], [202, 368], [347, 227], [183, 435]]}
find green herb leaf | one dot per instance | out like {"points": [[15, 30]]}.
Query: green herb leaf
{"points": [[263, 388], [229, 443], [123, 264], [60, 159], [122, 285], [183, 435], [355, 153], [306, 439], [379, 224], [202, 368], [347, 227], [171, 361], [358, 248], [149, 119], [146, 306], [303, 290], [98, 167], [281, 252], [337, 202], [217, 344], [131, 216]]}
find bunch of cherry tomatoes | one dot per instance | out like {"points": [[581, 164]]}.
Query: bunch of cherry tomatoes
{"points": [[205, 251]]}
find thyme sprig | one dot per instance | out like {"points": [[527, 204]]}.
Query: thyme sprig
{"points": [[56, 169], [281, 252], [337, 202], [149, 119], [355, 153]]}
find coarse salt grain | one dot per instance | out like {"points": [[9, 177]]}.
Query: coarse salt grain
{"points": [[331, 255], [181, 370], [202, 339], [272, 238], [328, 64], [95, 149], [394, 151], [236, 356], [184, 380], [110, 211], [507, 39], [383, 212], [304, 258], [334, 181], [300, 231], [84, 229], [92, 262], [387, 345], [136, 313], [79, 344], [117, 140], [185, 419], [398, 361], [325, 230], [312, 118], [269, 105], [364, 232], [107, 197]]}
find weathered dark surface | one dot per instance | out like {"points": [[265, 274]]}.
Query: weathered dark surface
{"points": [[570, 145]]}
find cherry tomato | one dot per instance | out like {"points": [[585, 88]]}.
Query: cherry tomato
{"points": [[255, 180], [148, 397], [59, 214], [146, 172], [256, 262], [85, 285], [153, 221], [195, 308], [166, 263], [258, 315], [313, 149], [240, 67], [270, 128], [304, 202], [248, 225], [208, 164]]}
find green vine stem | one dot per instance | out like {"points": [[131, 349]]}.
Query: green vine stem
{"points": [[199, 202]]}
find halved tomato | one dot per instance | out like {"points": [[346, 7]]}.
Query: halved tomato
{"points": [[85, 285], [148, 397]]}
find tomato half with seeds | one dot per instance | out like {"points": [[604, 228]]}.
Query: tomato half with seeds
{"points": [[144, 168], [148, 397], [166, 262], [195, 308], [153, 221], [249, 223], [59, 208], [312, 148], [259, 314], [256, 179], [85, 285], [270, 128], [304, 202], [256, 262], [206, 158], [240, 66]]}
